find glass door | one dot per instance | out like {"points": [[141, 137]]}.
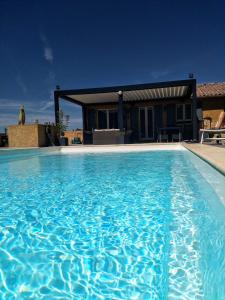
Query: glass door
{"points": [[146, 123]]}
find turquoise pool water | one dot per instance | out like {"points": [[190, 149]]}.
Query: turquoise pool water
{"points": [[111, 226]]}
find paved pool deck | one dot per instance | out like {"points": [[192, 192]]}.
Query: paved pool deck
{"points": [[213, 154]]}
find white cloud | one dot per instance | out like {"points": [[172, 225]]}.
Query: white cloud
{"points": [[9, 111], [41, 110], [48, 54], [21, 84], [51, 78], [46, 105], [43, 38], [9, 104], [13, 106], [158, 74]]}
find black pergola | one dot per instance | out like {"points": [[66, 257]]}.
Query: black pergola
{"points": [[182, 89]]}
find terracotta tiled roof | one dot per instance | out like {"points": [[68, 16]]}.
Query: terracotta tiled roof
{"points": [[211, 89]]}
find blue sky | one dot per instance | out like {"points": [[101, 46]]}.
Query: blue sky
{"points": [[80, 44]]}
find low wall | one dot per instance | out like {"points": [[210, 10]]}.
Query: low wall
{"points": [[30, 135], [73, 134]]}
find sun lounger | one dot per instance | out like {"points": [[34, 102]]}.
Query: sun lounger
{"points": [[204, 133], [219, 129]]}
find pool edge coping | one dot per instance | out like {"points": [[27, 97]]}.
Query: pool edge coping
{"points": [[122, 148], [208, 161]]}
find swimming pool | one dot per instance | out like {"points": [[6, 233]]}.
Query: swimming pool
{"points": [[138, 225]]}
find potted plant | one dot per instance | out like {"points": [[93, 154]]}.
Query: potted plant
{"points": [[62, 127]]}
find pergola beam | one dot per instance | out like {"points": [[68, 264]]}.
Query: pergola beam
{"points": [[124, 88], [74, 101]]}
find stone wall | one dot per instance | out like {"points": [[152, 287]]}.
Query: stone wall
{"points": [[29, 135]]}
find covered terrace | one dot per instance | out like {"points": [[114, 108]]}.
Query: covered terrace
{"points": [[135, 113]]}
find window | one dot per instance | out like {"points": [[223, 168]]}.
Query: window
{"points": [[180, 112], [107, 119], [187, 111], [146, 126], [184, 112], [102, 119], [113, 119]]}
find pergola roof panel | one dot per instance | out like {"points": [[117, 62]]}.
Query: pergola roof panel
{"points": [[141, 92], [96, 98], [161, 93]]}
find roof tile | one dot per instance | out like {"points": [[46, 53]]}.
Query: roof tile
{"points": [[211, 89]]}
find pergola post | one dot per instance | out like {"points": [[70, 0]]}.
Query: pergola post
{"points": [[84, 117], [194, 111], [120, 110], [56, 101]]}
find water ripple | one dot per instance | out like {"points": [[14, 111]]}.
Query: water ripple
{"points": [[108, 227]]}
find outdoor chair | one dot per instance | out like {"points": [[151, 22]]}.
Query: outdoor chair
{"points": [[76, 141], [163, 138], [176, 137]]}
